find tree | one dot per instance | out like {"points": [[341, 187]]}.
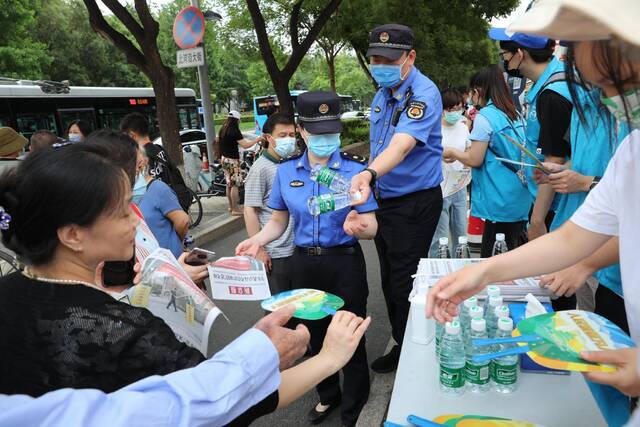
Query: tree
{"points": [[143, 52]]}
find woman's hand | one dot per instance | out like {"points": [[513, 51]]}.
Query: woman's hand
{"points": [[354, 224], [449, 155], [625, 378], [197, 273], [249, 247], [444, 297], [342, 338], [570, 181], [565, 282]]}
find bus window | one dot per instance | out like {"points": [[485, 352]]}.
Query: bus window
{"points": [[188, 115], [69, 115], [29, 123]]}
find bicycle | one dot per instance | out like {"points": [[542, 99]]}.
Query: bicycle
{"points": [[8, 263]]}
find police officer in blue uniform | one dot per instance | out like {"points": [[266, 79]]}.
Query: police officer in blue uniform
{"points": [[405, 170], [327, 256]]}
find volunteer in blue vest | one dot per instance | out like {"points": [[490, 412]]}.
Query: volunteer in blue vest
{"points": [[327, 255], [594, 136], [547, 112], [498, 188], [405, 170]]}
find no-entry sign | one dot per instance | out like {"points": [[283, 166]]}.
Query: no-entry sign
{"points": [[188, 28]]}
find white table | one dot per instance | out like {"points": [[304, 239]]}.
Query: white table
{"points": [[549, 400]]}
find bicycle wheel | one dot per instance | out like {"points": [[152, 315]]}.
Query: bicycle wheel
{"points": [[195, 210], [8, 264]]}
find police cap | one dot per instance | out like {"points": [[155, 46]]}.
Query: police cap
{"points": [[390, 41], [319, 112]]}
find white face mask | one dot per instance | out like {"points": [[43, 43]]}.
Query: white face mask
{"points": [[616, 105]]}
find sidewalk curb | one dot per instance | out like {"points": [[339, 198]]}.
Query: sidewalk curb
{"points": [[374, 412], [227, 224]]}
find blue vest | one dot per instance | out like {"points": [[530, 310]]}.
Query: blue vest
{"points": [[498, 194], [554, 68], [591, 150]]}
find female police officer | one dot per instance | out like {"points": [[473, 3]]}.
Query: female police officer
{"points": [[328, 256]]}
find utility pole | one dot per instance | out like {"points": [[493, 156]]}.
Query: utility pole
{"points": [[205, 95]]}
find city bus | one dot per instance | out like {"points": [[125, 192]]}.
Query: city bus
{"points": [[28, 108], [264, 106]]}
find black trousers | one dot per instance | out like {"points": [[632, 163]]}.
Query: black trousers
{"points": [[514, 235], [280, 275], [345, 276], [405, 228], [611, 306]]}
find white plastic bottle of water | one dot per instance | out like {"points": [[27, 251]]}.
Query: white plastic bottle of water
{"points": [[500, 246], [443, 248], [452, 360], [462, 250], [492, 291], [504, 370], [440, 327], [331, 202], [329, 178], [490, 314], [500, 312], [465, 318], [476, 375]]}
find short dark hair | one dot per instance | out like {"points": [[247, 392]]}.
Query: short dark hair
{"points": [[450, 98], [491, 85], [42, 139], [83, 125], [537, 55], [74, 184], [271, 123], [121, 149], [135, 122]]}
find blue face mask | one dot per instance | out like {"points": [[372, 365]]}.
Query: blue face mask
{"points": [[323, 145], [452, 117], [75, 137], [139, 189], [285, 146], [387, 75]]}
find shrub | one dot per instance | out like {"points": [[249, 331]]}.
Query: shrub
{"points": [[354, 131]]}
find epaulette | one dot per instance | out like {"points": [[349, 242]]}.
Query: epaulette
{"points": [[354, 157]]}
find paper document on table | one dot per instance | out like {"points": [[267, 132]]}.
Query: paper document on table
{"points": [[239, 278], [433, 269]]}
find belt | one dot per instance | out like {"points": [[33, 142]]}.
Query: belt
{"points": [[319, 251]]}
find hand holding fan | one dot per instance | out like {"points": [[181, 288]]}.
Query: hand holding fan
{"points": [[311, 304]]}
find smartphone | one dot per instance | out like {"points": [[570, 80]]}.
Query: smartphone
{"points": [[117, 273], [199, 256]]}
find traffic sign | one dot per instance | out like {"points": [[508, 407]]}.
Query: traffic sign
{"points": [[190, 57], [188, 27]]}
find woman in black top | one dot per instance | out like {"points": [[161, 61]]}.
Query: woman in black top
{"points": [[229, 138]]}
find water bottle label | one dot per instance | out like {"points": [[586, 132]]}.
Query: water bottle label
{"points": [[326, 203], [504, 374], [451, 377], [325, 176], [476, 374]]}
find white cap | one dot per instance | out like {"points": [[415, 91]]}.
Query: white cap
{"points": [[443, 241], [495, 301], [478, 324], [476, 311], [235, 114], [471, 302], [462, 240], [577, 20], [502, 311], [500, 237], [505, 324], [452, 328], [493, 291]]}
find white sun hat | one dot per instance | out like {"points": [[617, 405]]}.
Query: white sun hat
{"points": [[581, 20], [235, 114]]}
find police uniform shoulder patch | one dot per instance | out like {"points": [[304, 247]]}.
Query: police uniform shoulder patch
{"points": [[415, 110], [360, 159], [296, 183]]}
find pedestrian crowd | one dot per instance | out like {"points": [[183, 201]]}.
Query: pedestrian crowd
{"points": [[552, 168]]}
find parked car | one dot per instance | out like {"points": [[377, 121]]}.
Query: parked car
{"points": [[354, 115]]}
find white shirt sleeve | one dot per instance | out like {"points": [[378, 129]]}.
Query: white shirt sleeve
{"points": [[211, 394], [599, 212]]}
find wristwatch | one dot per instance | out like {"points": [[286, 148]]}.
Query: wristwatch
{"points": [[374, 176], [596, 180]]}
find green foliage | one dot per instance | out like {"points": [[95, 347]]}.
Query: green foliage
{"points": [[354, 131]]}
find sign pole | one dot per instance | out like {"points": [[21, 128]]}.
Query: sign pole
{"points": [[205, 95]]}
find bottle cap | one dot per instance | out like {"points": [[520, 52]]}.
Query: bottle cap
{"points": [[356, 196], [443, 241], [500, 237], [478, 324], [495, 301], [453, 328], [471, 302], [476, 311], [493, 290], [505, 324], [462, 240], [502, 311]]}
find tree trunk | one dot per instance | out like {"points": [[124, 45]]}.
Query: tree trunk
{"points": [[162, 79], [331, 64], [281, 86]]}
